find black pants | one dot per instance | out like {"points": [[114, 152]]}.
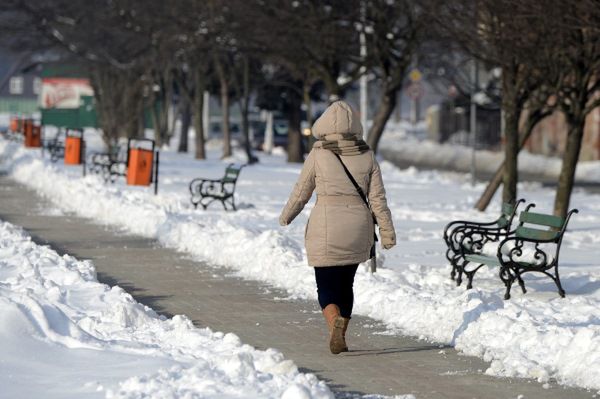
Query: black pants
{"points": [[334, 285]]}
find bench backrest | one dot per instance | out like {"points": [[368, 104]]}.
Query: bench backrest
{"points": [[231, 173], [508, 213], [117, 153], [539, 226]]}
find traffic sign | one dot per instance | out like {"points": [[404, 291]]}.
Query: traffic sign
{"points": [[415, 75], [415, 90]]}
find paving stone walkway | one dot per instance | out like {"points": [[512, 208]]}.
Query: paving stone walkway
{"points": [[172, 284]]}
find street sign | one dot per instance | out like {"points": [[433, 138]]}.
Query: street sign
{"points": [[452, 91], [415, 75], [415, 90]]}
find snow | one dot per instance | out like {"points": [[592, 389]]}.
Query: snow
{"points": [[456, 157], [57, 323], [536, 335]]}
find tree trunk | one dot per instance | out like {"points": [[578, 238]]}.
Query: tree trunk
{"points": [[294, 145], [333, 89], [199, 85], [387, 104], [164, 120], [225, 121], [154, 115], [244, 108], [160, 101], [186, 119], [224, 90], [496, 180], [119, 103], [569, 165], [511, 136], [247, 142]]}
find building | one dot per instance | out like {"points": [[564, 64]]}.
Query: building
{"points": [[20, 84], [550, 135]]}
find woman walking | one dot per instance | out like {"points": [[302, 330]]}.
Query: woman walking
{"points": [[340, 232]]}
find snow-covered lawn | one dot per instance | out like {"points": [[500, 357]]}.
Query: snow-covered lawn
{"points": [[535, 335], [417, 150], [64, 335]]}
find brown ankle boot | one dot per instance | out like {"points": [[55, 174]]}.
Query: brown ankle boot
{"points": [[344, 329], [335, 322]]}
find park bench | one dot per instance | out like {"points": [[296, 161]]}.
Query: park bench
{"points": [[12, 136], [111, 164], [55, 146], [206, 191], [534, 247], [465, 237]]}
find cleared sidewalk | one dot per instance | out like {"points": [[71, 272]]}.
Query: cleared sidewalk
{"points": [[172, 284]]}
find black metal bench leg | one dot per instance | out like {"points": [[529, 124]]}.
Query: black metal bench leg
{"points": [[507, 278], [556, 279], [452, 260], [460, 268], [471, 274], [521, 283], [507, 293], [204, 206], [470, 280], [459, 278]]}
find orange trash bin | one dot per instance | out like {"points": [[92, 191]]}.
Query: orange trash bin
{"points": [[27, 125], [33, 136], [72, 150], [139, 167], [15, 124]]}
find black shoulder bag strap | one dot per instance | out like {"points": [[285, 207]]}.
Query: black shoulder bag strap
{"points": [[364, 198]]}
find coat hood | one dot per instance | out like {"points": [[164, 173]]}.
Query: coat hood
{"points": [[338, 119]]}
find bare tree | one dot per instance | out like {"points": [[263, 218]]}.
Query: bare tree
{"points": [[538, 108], [193, 47], [119, 102], [314, 41], [110, 39], [500, 33], [394, 31], [575, 29]]}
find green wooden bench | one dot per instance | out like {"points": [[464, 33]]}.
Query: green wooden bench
{"points": [[206, 191], [534, 230], [464, 237]]}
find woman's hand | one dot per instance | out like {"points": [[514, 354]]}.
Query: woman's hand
{"points": [[388, 243]]}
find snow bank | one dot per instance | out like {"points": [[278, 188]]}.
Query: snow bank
{"points": [[63, 334], [537, 335], [396, 144]]}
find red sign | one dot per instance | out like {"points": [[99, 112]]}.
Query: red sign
{"points": [[64, 92], [415, 90]]}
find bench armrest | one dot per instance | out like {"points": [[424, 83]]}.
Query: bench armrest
{"points": [[506, 254], [470, 234], [202, 180], [450, 227], [197, 185]]}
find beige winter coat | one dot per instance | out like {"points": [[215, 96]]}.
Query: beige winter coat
{"points": [[340, 227]]}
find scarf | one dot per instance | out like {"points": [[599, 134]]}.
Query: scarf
{"points": [[343, 144]]}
